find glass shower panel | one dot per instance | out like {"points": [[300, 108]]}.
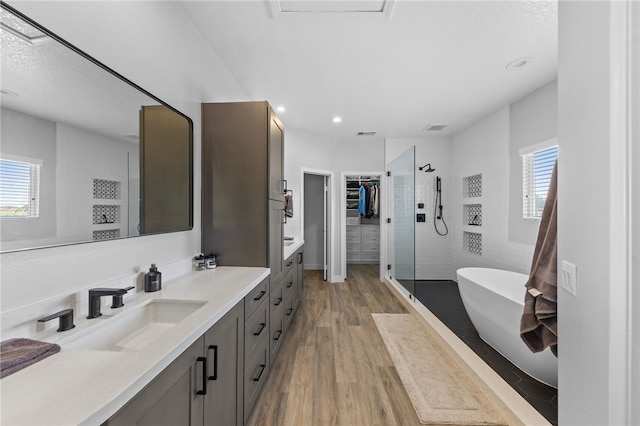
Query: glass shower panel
{"points": [[402, 223]]}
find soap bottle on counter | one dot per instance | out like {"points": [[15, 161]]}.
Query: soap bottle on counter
{"points": [[152, 279]]}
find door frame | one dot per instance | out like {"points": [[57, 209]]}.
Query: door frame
{"points": [[624, 209], [343, 222], [331, 217]]}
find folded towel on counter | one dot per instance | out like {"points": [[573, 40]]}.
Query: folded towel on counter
{"points": [[288, 205], [16, 354]]}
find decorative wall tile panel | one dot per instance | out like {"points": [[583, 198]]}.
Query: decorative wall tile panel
{"points": [[473, 186], [473, 214], [106, 214], [106, 189], [107, 234], [473, 242]]}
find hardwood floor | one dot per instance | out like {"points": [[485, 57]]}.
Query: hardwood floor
{"points": [[333, 368]]}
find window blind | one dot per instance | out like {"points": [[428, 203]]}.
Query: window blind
{"points": [[537, 167], [19, 188]]}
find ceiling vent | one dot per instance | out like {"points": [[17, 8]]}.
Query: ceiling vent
{"points": [[433, 127], [22, 30], [279, 7], [366, 133]]}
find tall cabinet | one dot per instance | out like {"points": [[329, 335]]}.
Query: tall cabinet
{"points": [[243, 221], [243, 185]]}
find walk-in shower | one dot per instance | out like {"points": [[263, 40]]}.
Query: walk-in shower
{"points": [[402, 235]]}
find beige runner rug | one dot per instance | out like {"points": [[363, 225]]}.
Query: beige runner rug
{"points": [[440, 391]]}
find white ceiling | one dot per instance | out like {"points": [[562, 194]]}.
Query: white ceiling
{"points": [[392, 71]]}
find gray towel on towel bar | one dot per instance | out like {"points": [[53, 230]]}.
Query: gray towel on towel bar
{"points": [[16, 354], [288, 205], [539, 322]]}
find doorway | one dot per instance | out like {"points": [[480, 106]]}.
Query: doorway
{"points": [[317, 221]]}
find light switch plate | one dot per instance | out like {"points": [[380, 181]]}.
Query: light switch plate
{"points": [[570, 277]]}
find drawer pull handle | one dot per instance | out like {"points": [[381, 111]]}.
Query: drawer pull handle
{"points": [[290, 284], [259, 296], [277, 336], [257, 378], [262, 326], [215, 362], [278, 301], [203, 360], [289, 311]]}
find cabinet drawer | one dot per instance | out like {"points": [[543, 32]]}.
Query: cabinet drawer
{"points": [[353, 247], [288, 264], [370, 256], [370, 230], [255, 375], [288, 309], [256, 328], [353, 229], [255, 297], [287, 284], [352, 221], [276, 298], [276, 335], [370, 247]]}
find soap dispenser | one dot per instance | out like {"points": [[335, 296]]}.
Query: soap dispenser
{"points": [[152, 279]]}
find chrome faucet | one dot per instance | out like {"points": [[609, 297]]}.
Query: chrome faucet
{"points": [[96, 293]]}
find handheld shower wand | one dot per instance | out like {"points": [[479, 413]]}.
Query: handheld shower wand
{"points": [[437, 214]]}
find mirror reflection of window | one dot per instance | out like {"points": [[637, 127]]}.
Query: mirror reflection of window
{"points": [[19, 187]]}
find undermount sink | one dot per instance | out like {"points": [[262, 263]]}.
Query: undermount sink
{"points": [[135, 329]]}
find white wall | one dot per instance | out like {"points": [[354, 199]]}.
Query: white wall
{"points": [[533, 119], [24, 135], [82, 157], [583, 214], [311, 151], [483, 148], [183, 71]]}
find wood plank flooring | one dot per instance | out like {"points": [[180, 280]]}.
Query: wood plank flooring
{"points": [[333, 368]]}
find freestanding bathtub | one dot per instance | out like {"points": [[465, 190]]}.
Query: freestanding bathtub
{"points": [[494, 300]]}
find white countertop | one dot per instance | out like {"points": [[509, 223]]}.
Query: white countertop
{"points": [[87, 387], [291, 248]]}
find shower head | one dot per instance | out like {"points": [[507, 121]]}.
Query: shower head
{"points": [[427, 167]]}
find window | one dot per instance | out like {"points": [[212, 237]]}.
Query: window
{"points": [[19, 187], [537, 166]]}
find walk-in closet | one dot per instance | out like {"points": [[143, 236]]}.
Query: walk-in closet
{"points": [[363, 202]]}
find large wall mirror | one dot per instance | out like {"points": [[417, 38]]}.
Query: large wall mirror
{"points": [[85, 155]]}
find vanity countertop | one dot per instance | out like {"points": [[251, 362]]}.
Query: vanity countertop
{"points": [[87, 387], [290, 249]]}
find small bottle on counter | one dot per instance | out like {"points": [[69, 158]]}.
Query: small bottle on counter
{"points": [[211, 261], [152, 279]]}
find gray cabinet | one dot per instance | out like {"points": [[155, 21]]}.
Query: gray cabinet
{"points": [[203, 386], [243, 185], [299, 272], [256, 345], [224, 346]]}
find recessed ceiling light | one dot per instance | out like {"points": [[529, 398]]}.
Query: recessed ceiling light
{"points": [[336, 119], [518, 63], [281, 109]]}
